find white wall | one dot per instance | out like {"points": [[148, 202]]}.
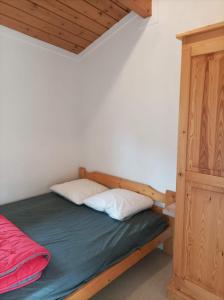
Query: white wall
{"points": [[115, 111], [130, 93], [39, 138]]}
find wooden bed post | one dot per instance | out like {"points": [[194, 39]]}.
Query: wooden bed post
{"points": [[170, 199], [82, 172]]}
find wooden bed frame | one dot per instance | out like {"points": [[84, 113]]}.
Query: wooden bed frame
{"points": [[89, 289]]}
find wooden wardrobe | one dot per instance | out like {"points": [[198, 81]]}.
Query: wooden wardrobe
{"points": [[199, 227]]}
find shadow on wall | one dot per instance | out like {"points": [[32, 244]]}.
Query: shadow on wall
{"points": [[125, 96], [101, 74]]}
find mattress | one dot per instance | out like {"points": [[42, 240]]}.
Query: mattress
{"points": [[83, 242]]}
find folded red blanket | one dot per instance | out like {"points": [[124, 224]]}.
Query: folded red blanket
{"points": [[21, 259]]}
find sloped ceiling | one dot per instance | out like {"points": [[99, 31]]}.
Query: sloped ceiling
{"points": [[69, 24]]}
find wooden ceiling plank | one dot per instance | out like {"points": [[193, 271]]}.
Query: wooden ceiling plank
{"points": [[37, 33], [46, 15], [141, 7], [121, 6], [71, 15], [19, 15], [70, 24], [109, 8], [90, 11]]}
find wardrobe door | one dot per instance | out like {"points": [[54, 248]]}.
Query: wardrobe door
{"points": [[202, 267]]}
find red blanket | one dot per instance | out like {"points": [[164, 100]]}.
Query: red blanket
{"points": [[21, 259]]}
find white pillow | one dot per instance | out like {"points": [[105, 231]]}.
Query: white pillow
{"points": [[78, 190], [119, 203]]}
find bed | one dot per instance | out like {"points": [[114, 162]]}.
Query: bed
{"points": [[89, 249]]}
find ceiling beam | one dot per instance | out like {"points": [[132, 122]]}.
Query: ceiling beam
{"points": [[141, 7]]}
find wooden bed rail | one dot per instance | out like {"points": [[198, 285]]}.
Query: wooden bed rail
{"points": [[117, 182]]}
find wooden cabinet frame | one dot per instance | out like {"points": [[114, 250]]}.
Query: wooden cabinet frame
{"points": [[200, 187]]}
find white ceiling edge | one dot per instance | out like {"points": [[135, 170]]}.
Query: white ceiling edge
{"points": [[119, 26], [10, 33], [107, 35]]}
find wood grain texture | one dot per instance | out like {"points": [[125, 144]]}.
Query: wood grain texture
{"points": [[199, 239], [193, 291], [22, 17], [168, 244], [71, 25], [206, 115], [205, 47], [92, 12], [204, 242], [202, 30], [44, 14], [215, 181], [121, 5], [39, 34], [108, 7], [175, 294], [141, 7], [71, 15], [117, 182], [181, 156]]}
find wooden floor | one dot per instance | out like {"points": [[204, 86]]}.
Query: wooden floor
{"points": [[145, 281]]}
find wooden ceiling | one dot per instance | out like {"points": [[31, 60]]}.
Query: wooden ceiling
{"points": [[69, 24]]}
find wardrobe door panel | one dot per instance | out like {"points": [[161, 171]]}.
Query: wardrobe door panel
{"points": [[205, 151], [203, 261], [199, 225]]}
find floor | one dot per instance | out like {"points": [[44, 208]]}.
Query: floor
{"points": [[145, 281]]}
